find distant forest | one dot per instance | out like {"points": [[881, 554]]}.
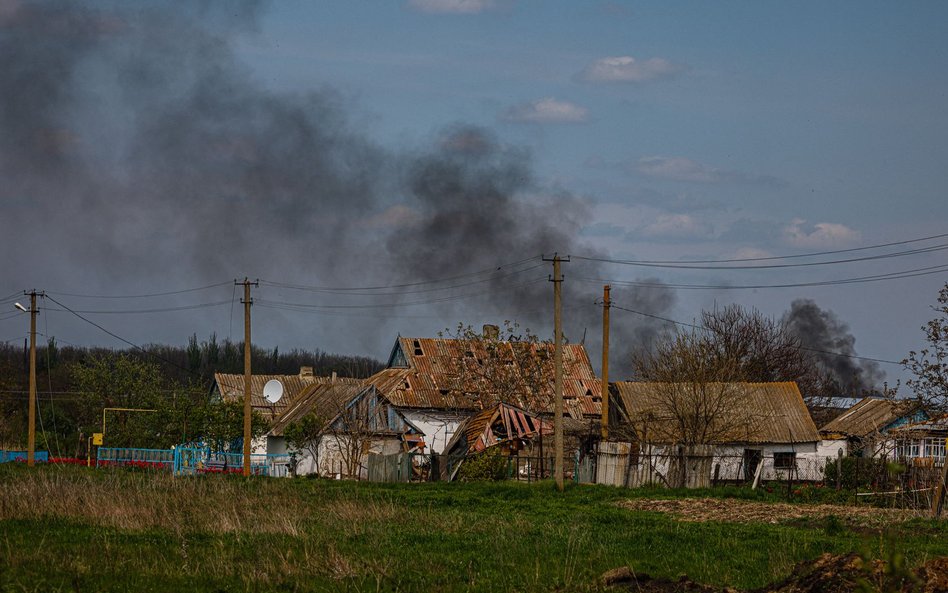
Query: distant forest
{"points": [[62, 378]]}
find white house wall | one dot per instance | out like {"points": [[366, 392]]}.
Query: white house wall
{"points": [[438, 427]]}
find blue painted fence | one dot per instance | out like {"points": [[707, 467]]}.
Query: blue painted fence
{"points": [[182, 461], [8, 456]]}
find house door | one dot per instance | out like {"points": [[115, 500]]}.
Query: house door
{"points": [[752, 459]]}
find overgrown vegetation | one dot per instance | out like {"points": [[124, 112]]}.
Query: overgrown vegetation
{"points": [[75, 383], [67, 529]]}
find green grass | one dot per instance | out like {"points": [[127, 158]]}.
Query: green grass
{"points": [[73, 529]]}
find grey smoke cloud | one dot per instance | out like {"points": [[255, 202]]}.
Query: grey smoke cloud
{"points": [[139, 155], [821, 330]]}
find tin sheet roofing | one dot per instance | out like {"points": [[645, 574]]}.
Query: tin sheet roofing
{"points": [[446, 373], [326, 400], [775, 411], [937, 426], [231, 388], [869, 416], [494, 425]]}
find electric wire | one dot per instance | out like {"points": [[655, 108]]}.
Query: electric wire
{"points": [[794, 256], [121, 339], [145, 311], [700, 327], [137, 296], [694, 266], [926, 271], [403, 285], [49, 379], [393, 305]]}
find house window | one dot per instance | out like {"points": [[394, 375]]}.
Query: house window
{"points": [[417, 345], [935, 448], [785, 460]]}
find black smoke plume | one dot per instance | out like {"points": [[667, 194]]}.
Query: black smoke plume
{"points": [[832, 346], [139, 155]]}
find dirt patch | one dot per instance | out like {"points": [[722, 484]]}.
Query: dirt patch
{"points": [[829, 573], [745, 511]]}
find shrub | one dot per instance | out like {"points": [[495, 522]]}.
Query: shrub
{"points": [[488, 465], [858, 472]]}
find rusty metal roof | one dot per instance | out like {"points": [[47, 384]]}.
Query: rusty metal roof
{"points": [[231, 388], [494, 425], [775, 412], [869, 416], [326, 400], [448, 374]]}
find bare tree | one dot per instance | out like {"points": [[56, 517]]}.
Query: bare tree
{"points": [[756, 348], [694, 399], [930, 364]]}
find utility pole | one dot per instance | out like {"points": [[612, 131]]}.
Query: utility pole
{"points": [[606, 304], [557, 280], [247, 301], [31, 443]]}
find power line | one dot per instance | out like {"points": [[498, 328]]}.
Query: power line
{"points": [[700, 327], [926, 271], [778, 257], [403, 285], [137, 296], [695, 266], [144, 311], [120, 338]]}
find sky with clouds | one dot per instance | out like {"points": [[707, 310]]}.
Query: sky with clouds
{"points": [[685, 130], [695, 130]]}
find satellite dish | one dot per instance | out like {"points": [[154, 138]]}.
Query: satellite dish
{"points": [[273, 391]]}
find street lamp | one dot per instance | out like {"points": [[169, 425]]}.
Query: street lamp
{"points": [[21, 307]]}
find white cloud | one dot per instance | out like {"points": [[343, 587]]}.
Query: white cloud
{"points": [[451, 6], [677, 225], [629, 69], [676, 168], [820, 235], [547, 110]]}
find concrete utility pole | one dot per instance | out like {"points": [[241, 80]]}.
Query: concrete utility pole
{"points": [[557, 280], [247, 301], [606, 303]]}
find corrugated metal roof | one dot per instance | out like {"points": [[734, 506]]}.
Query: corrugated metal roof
{"points": [[448, 374], [869, 416], [481, 430], [326, 400], [231, 388], [937, 426], [775, 412]]}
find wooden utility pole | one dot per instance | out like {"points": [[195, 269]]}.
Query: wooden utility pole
{"points": [[31, 442], [557, 280], [247, 375], [604, 393]]}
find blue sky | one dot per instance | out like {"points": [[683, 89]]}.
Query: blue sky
{"points": [[695, 130], [684, 130]]}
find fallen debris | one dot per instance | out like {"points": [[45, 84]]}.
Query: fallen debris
{"points": [[846, 573]]}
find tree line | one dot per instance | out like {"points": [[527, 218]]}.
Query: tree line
{"points": [[75, 383]]}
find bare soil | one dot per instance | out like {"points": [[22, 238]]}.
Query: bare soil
{"points": [[745, 511], [829, 573]]}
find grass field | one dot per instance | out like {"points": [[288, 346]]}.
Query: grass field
{"points": [[75, 529]]}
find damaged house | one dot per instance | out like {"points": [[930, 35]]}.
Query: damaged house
{"points": [[437, 383]]}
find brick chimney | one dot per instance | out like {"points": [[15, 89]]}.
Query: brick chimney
{"points": [[491, 332], [306, 372]]}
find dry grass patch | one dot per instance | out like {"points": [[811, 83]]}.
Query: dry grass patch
{"points": [[730, 510]]}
